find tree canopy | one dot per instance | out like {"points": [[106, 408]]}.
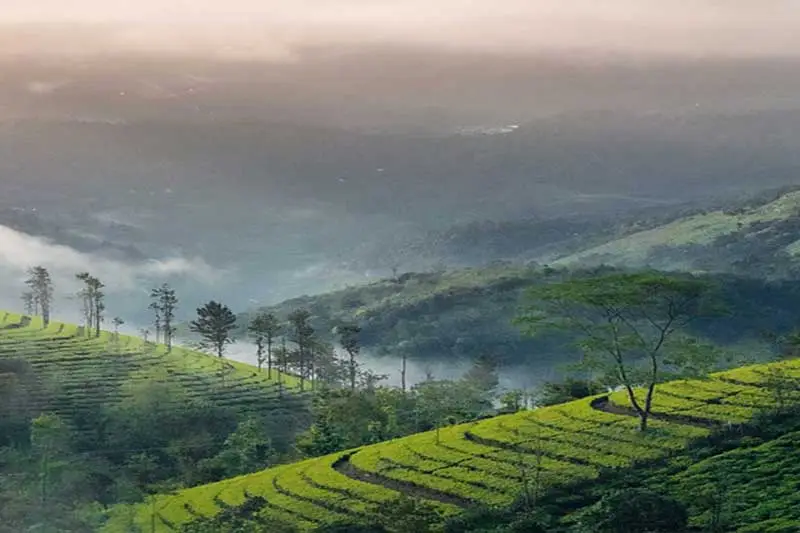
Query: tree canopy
{"points": [[629, 326], [214, 324]]}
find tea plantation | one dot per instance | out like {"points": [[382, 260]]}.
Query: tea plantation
{"points": [[67, 373], [488, 462]]}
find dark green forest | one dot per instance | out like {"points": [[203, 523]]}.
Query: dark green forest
{"points": [[459, 315]]}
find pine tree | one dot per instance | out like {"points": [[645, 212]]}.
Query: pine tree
{"points": [[264, 328], [348, 337], [40, 288], [93, 302], [214, 324], [302, 334], [164, 304]]}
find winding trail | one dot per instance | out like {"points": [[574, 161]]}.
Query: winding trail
{"points": [[344, 466]]}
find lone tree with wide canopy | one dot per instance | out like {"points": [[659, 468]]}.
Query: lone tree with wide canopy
{"points": [[629, 326]]}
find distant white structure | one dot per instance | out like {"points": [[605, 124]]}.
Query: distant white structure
{"points": [[489, 130]]}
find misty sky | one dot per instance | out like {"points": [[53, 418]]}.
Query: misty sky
{"points": [[291, 140], [277, 29]]}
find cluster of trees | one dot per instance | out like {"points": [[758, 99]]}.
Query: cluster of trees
{"points": [[293, 348], [164, 303], [38, 301], [345, 418], [289, 348]]}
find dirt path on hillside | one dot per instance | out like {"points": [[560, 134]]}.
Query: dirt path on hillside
{"points": [[517, 447], [345, 466], [604, 404]]}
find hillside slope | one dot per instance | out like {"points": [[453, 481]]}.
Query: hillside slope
{"points": [[485, 462], [64, 372], [760, 239], [87, 422]]}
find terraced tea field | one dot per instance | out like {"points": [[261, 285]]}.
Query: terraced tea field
{"points": [[760, 486], [485, 462], [66, 372]]}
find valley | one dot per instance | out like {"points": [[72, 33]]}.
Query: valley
{"points": [[441, 266]]}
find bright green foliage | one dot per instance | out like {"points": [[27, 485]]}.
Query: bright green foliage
{"points": [[493, 461], [489, 461], [240, 519]]}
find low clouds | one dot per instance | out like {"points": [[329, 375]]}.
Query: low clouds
{"points": [[19, 251], [276, 29]]}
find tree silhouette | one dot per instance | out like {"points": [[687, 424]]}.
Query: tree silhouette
{"points": [[264, 328], [348, 337], [214, 324], [40, 288]]}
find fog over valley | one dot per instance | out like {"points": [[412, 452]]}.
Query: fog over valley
{"points": [[284, 150]]}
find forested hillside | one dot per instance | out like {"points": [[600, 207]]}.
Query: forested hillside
{"points": [[462, 314]]}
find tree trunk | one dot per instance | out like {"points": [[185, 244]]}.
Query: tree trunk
{"points": [[302, 368], [311, 371], [89, 318], [168, 334], [352, 371], [259, 353], [403, 374], [648, 405], [269, 358]]}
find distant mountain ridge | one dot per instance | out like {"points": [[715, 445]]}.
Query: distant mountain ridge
{"points": [[751, 247], [598, 238]]}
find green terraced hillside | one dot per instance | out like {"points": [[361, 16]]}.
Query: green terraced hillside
{"points": [[483, 462], [66, 373]]}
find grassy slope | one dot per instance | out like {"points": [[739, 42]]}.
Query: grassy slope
{"points": [[485, 462], [699, 230], [67, 373]]}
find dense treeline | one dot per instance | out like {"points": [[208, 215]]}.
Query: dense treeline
{"points": [[460, 315]]}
